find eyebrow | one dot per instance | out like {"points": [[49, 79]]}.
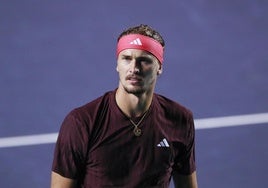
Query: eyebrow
{"points": [[145, 55]]}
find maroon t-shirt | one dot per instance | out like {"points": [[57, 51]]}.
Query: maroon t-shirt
{"points": [[97, 146]]}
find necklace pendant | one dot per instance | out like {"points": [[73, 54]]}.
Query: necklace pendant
{"points": [[137, 131]]}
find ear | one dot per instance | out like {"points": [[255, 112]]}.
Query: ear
{"points": [[160, 70], [117, 67]]}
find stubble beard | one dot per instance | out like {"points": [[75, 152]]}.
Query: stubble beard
{"points": [[135, 91]]}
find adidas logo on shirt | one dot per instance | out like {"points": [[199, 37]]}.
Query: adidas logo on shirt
{"points": [[137, 41], [163, 143]]}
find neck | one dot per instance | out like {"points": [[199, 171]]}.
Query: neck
{"points": [[133, 105]]}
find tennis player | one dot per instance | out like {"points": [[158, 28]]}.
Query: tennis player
{"points": [[131, 136]]}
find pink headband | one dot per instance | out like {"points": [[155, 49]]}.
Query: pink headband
{"points": [[141, 42]]}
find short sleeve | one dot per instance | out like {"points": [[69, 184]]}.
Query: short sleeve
{"points": [[71, 147], [185, 161]]}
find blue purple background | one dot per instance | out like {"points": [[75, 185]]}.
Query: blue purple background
{"points": [[57, 55]]}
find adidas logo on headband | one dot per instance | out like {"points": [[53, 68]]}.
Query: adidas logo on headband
{"points": [[137, 41]]}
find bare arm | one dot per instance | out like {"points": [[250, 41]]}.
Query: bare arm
{"points": [[181, 181], [58, 181]]}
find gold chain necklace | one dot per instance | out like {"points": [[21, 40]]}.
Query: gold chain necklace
{"points": [[137, 130]]}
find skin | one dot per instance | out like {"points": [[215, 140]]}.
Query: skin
{"points": [[138, 72], [189, 181], [58, 181]]}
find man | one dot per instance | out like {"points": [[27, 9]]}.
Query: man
{"points": [[129, 137]]}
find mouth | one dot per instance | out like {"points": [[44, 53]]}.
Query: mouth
{"points": [[135, 80]]}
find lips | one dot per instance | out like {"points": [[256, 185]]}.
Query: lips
{"points": [[130, 77], [134, 79]]}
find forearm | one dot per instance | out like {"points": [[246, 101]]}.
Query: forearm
{"points": [[58, 181], [181, 181]]}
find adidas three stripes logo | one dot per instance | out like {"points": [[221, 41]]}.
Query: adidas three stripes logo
{"points": [[163, 143], [137, 41]]}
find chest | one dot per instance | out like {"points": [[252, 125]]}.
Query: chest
{"points": [[118, 152]]}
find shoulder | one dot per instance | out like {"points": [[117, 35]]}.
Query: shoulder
{"points": [[82, 119], [93, 106], [171, 107], [87, 113]]}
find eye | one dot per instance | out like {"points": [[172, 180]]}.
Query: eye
{"points": [[145, 60], [126, 58]]}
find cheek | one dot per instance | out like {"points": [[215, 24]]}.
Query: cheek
{"points": [[119, 68], [151, 75], [121, 73], [154, 72]]}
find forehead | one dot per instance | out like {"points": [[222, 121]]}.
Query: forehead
{"points": [[136, 53]]}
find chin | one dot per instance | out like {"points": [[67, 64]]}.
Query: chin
{"points": [[135, 90]]}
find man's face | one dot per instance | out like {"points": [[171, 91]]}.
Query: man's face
{"points": [[138, 71]]}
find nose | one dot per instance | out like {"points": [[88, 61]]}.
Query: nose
{"points": [[135, 67]]}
